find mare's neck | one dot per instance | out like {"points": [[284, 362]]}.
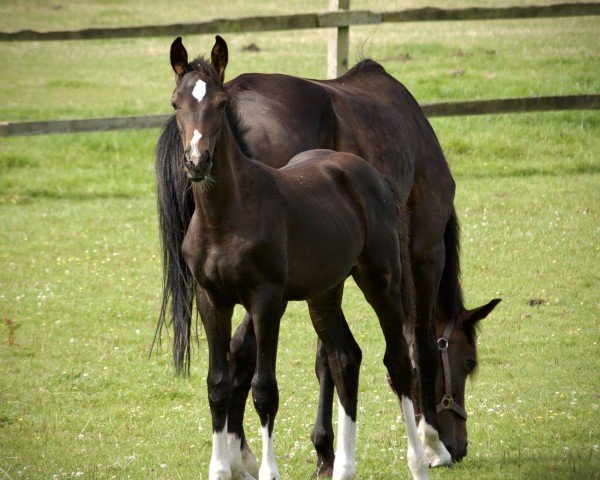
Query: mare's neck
{"points": [[216, 196]]}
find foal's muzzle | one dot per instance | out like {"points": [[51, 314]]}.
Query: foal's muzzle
{"points": [[197, 168]]}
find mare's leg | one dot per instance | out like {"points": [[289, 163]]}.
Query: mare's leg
{"points": [[384, 295], [266, 307], [428, 266], [322, 434], [243, 364], [344, 356], [217, 324]]}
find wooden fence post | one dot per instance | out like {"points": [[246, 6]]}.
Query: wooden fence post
{"points": [[338, 44]]}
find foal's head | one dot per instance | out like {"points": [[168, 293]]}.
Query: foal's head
{"points": [[199, 99]]}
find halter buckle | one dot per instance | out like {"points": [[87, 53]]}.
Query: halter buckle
{"points": [[447, 402], [442, 343]]}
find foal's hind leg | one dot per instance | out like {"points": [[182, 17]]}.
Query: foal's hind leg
{"points": [[384, 296], [344, 356], [243, 364], [322, 434]]}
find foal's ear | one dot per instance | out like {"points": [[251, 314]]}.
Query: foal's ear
{"points": [[179, 57], [219, 57], [471, 317]]}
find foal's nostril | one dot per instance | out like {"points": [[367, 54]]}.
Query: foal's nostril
{"points": [[205, 157]]}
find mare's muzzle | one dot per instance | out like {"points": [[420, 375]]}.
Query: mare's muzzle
{"points": [[197, 168]]}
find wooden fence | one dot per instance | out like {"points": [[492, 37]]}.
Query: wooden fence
{"points": [[332, 19], [339, 19], [443, 109]]}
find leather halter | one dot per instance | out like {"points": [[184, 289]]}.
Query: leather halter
{"points": [[448, 402]]}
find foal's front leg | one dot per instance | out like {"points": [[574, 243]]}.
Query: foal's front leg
{"points": [[267, 307], [217, 324]]}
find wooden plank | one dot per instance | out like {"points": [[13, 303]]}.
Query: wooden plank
{"points": [[338, 42], [347, 18], [431, 14], [307, 20], [13, 129], [234, 25], [444, 109], [512, 105]]}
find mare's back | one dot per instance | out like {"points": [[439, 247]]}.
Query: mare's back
{"points": [[378, 119], [366, 112]]}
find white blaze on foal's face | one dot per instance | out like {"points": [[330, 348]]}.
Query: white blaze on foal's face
{"points": [[194, 144], [199, 90]]}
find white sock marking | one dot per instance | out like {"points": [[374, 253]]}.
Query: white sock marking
{"points": [[219, 460], [435, 449], [417, 461], [195, 155], [268, 466], [344, 466], [199, 90], [238, 469], [234, 446]]}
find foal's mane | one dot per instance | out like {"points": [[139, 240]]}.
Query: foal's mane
{"points": [[200, 65]]}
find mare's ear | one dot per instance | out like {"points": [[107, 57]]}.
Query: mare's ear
{"points": [[179, 57], [471, 317], [219, 57]]}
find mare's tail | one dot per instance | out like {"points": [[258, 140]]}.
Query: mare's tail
{"points": [[450, 297], [175, 209], [407, 281]]}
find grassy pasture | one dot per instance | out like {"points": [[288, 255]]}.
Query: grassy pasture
{"points": [[80, 269]]}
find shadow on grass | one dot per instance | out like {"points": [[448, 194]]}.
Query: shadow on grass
{"points": [[29, 197], [579, 169], [565, 464]]}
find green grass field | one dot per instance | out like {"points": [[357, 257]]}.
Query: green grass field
{"points": [[80, 266]]}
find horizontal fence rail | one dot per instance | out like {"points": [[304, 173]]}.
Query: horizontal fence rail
{"points": [[309, 20], [444, 109], [512, 105]]}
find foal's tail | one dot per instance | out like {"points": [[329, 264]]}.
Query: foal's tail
{"points": [[407, 281], [175, 209]]}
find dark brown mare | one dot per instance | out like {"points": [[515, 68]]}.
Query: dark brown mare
{"points": [[260, 237], [369, 113]]}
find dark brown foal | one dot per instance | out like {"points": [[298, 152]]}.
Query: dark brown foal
{"points": [[260, 237]]}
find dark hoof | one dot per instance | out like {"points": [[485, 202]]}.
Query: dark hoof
{"points": [[323, 470]]}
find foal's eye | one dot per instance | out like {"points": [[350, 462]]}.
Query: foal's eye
{"points": [[175, 106]]}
